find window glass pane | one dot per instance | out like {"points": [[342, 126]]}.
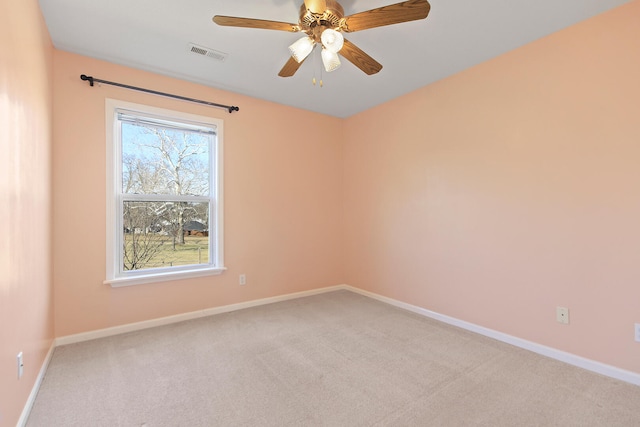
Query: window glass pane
{"points": [[164, 234], [162, 160]]}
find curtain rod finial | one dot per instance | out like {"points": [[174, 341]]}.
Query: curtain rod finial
{"points": [[85, 77]]}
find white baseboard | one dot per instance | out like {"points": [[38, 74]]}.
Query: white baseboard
{"points": [[22, 421], [131, 327], [571, 359]]}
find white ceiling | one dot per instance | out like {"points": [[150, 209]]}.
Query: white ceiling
{"points": [[154, 35]]}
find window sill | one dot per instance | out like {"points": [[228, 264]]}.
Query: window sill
{"points": [[162, 277]]}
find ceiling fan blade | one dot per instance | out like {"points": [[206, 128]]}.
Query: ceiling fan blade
{"points": [[359, 58], [232, 21], [387, 15], [290, 68], [315, 6]]}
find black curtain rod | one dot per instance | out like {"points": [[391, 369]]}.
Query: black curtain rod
{"points": [[91, 80]]}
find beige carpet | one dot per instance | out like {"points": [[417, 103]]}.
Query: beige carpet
{"points": [[335, 359]]}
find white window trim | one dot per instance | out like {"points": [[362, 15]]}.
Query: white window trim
{"points": [[114, 278]]}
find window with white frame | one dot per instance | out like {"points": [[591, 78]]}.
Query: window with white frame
{"points": [[164, 194]]}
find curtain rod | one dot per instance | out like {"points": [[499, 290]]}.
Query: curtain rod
{"points": [[91, 80]]}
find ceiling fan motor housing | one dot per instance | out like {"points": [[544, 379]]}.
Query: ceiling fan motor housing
{"points": [[314, 23]]}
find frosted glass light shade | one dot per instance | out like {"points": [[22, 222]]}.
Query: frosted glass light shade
{"points": [[331, 60], [301, 48], [332, 40]]}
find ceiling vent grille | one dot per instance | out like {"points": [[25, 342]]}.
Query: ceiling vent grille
{"points": [[209, 53]]}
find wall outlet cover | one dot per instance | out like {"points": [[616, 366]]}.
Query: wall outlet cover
{"points": [[20, 365], [562, 315]]}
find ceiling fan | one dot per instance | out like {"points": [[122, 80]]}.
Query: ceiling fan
{"points": [[323, 22]]}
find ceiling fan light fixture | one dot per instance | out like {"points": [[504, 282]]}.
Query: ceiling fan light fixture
{"points": [[301, 48], [331, 60], [332, 40]]}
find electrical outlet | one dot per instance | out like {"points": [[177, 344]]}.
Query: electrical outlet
{"points": [[243, 279], [562, 315], [20, 365], [638, 332]]}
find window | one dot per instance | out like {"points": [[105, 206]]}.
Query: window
{"points": [[164, 194]]}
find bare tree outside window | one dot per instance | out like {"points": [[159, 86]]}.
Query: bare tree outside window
{"points": [[164, 167]]}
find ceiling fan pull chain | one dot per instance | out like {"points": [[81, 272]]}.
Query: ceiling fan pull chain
{"points": [[315, 65]]}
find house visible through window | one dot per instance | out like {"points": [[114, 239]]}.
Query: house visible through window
{"points": [[164, 194]]}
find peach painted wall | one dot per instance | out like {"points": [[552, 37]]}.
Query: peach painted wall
{"points": [[509, 189], [283, 200], [26, 314]]}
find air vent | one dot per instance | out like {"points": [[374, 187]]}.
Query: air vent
{"points": [[209, 53]]}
